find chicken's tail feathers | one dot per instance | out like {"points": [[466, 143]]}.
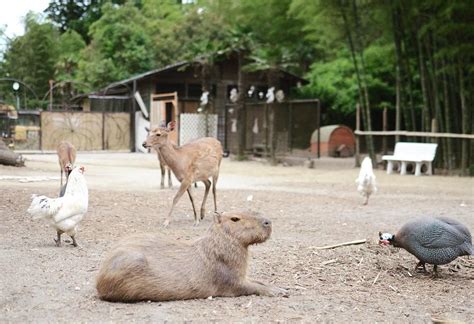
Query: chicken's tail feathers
{"points": [[40, 207]]}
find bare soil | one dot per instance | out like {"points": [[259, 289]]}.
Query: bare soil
{"points": [[40, 282]]}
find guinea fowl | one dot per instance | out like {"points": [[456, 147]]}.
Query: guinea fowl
{"points": [[435, 241]]}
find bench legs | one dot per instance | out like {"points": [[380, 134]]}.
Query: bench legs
{"points": [[389, 167], [418, 169], [430, 169], [403, 168]]}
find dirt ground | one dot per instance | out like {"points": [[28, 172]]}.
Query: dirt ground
{"points": [[40, 282]]}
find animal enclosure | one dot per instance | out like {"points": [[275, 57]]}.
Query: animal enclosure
{"points": [[336, 141], [286, 126], [87, 131], [321, 207]]}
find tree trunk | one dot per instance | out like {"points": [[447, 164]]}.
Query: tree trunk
{"points": [[370, 143], [426, 118], [447, 119], [241, 114], [398, 71], [362, 101], [465, 124], [406, 43], [8, 157], [430, 50]]}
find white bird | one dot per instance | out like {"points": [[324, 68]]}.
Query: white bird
{"points": [[270, 95], [67, 211], [366, 180], [280, 95], [251, 91], [234, 95], [204, 98]]}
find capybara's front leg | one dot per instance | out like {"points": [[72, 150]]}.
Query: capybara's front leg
{"points": [[259, 288]]}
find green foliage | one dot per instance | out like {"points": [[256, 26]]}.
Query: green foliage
{"points": [[32, 57], [69, 47], [78, 15], [120, 46]]}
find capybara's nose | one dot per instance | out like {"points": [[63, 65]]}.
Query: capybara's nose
{"points": [[267, 223], [144, 144]]}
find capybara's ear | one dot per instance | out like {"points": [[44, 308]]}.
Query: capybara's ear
{"points": [[217, 217]]}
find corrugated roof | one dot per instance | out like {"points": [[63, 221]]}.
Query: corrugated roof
{"points": [[147, 74], [170, 67]]}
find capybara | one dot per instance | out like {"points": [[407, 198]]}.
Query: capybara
{"points": [[152, 267]]}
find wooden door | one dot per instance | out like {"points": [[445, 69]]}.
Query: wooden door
{"points": [[164, 109]]}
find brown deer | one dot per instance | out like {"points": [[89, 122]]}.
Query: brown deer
{"points": [[67, 156], [197, 160]]}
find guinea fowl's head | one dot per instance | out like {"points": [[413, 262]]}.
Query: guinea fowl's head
{"points": [[386, 238]]}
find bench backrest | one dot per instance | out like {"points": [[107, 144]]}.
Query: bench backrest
{"points": [[421, 151]]}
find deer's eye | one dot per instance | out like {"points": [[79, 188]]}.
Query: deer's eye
{"points": [[235, 219]]}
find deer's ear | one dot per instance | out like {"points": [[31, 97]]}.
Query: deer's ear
{"points": [[147, 129], [171, 125], [217, 217]]}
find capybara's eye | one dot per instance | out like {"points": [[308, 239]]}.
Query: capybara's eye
{"points": [[235, 219]]}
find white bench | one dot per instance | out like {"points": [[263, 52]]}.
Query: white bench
{"points": [[406, 152]]}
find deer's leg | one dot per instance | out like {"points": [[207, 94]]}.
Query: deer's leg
{"points": [[207, 183], [170, 183], [190, 194], [163, 171], [61, 178], [214, 182], [184, 186]]}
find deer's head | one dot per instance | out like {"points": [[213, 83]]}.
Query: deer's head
{"points": [[158, 135]]}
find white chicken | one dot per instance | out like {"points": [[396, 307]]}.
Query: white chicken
{"points": [[67, 211], [366, 180]]}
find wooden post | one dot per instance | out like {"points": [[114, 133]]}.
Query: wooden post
{"points": [[290, 125], [357, 152], [265, 123], [384, 139], [132, 118], [273, 135], [51, 83], [318, 121]]}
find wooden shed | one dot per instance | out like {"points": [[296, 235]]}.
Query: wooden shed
{"points": [[336, 141]]}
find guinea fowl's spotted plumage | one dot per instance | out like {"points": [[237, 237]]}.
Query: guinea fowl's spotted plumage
{"points": [[434, 240]]}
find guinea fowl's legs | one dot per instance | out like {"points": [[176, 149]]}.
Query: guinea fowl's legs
{"points": [[420, 264], [58, 240], [435, 271]]}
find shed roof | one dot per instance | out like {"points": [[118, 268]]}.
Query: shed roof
{"points": [[175, 66]]}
